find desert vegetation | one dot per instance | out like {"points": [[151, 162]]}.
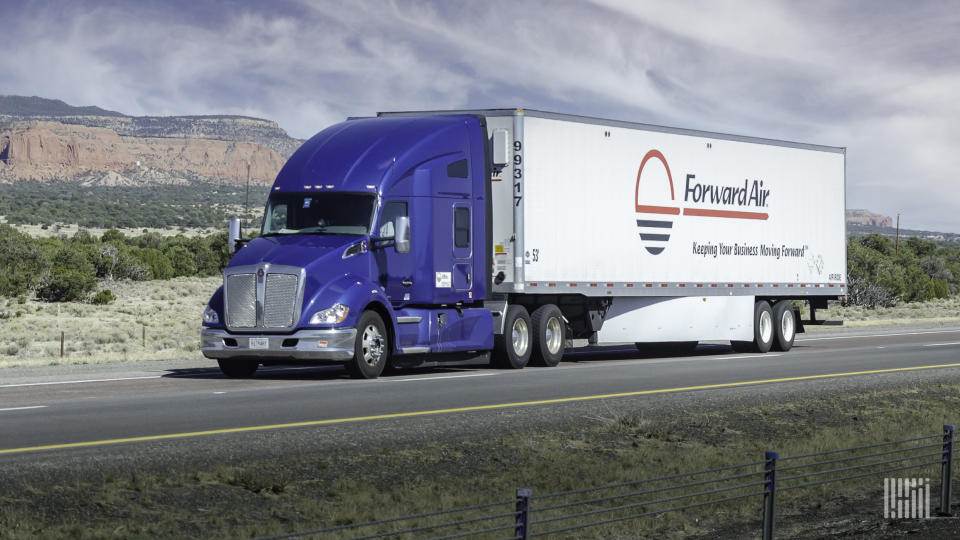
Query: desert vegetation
{"points": [[883, 273], [189, 203], [72, 269], [143, 320], [112, 297], [625, 440]]}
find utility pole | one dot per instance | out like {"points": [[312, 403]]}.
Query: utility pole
{"points": [[897, 244], [246, 202]]}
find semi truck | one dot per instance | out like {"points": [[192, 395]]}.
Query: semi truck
{"points": [[512, 234]]}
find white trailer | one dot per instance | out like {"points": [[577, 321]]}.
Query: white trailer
{"points": [[642, 233]]}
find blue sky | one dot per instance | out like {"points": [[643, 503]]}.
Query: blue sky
{"points": [[881, 78]]}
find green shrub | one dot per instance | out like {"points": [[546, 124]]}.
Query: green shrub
{"points": [[23, 261], [67, 286], [103, 297], [939, 288], [158, 263]]}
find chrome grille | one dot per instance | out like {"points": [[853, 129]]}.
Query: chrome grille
{"points": [[279, 300], [241, 300]]}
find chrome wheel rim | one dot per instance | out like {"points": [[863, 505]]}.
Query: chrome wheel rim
{"points": [[521, 337], [554, 335], [372, 345], [766, 326], [787, 326]]}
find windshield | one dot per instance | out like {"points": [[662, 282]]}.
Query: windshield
{"points": [[319, 213]]}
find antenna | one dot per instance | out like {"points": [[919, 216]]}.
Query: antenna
{"points": [[246, 202]]}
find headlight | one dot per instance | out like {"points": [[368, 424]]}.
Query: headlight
{"points": [[210, 315], [331, 315]]}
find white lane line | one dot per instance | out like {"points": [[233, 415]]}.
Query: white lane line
{"points": [[881, 335], [23, 408], [439, 377], [744, 356], [80, 381], [941, 344], [603, 363]]}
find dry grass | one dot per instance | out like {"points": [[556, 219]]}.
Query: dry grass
{"points": [[933, 312], [168, 310]]}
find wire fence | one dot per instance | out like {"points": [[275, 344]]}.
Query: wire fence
{"points": [[553, 514]]}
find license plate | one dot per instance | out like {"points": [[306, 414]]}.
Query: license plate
{"points": [[259, 343]]}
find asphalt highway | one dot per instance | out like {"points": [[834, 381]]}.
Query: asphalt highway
{"points": [[50, 410]]}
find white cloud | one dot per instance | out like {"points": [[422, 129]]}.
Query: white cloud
{"points": [[880, 79]]}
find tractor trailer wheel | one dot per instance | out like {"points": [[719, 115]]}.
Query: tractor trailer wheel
{"points": [[512, 349], [549, 335], [785, 325], [763, 330], [371, 350]]}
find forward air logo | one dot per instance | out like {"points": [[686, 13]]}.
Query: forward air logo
{"points": [[655, 201]]}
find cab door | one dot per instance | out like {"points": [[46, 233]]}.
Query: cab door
{"points": [[395, 269]]}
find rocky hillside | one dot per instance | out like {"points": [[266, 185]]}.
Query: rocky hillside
{"points": [[866, 217], [55, 151], [47, 139], [221, 128]]}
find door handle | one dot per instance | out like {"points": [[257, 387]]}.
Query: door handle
{"points": [[406, 283]]}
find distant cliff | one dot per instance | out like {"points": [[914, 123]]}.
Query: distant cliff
{"points": [[54, 151], [48, 139], [221, 128], [866, 217]]}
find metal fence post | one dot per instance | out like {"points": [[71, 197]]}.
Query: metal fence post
{"points": [[522, 520], [769, 494], [946, 471]]}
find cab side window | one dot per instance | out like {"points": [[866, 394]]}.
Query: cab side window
{"points": [[391, 211], [461, 227], [278, 217]]}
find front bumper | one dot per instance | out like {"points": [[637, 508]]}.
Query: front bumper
{"points": [[328, 344]]}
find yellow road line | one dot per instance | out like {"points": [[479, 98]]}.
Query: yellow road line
{"points": [[461, 409]]}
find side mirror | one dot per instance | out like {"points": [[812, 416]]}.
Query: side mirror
{"points": [[402, 228], [233, 235]]}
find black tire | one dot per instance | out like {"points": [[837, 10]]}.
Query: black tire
{"points": [[506, 353], [238, 368], [762, 324], [784, 325], [371, 349], [549, 336], [763, 332]]}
